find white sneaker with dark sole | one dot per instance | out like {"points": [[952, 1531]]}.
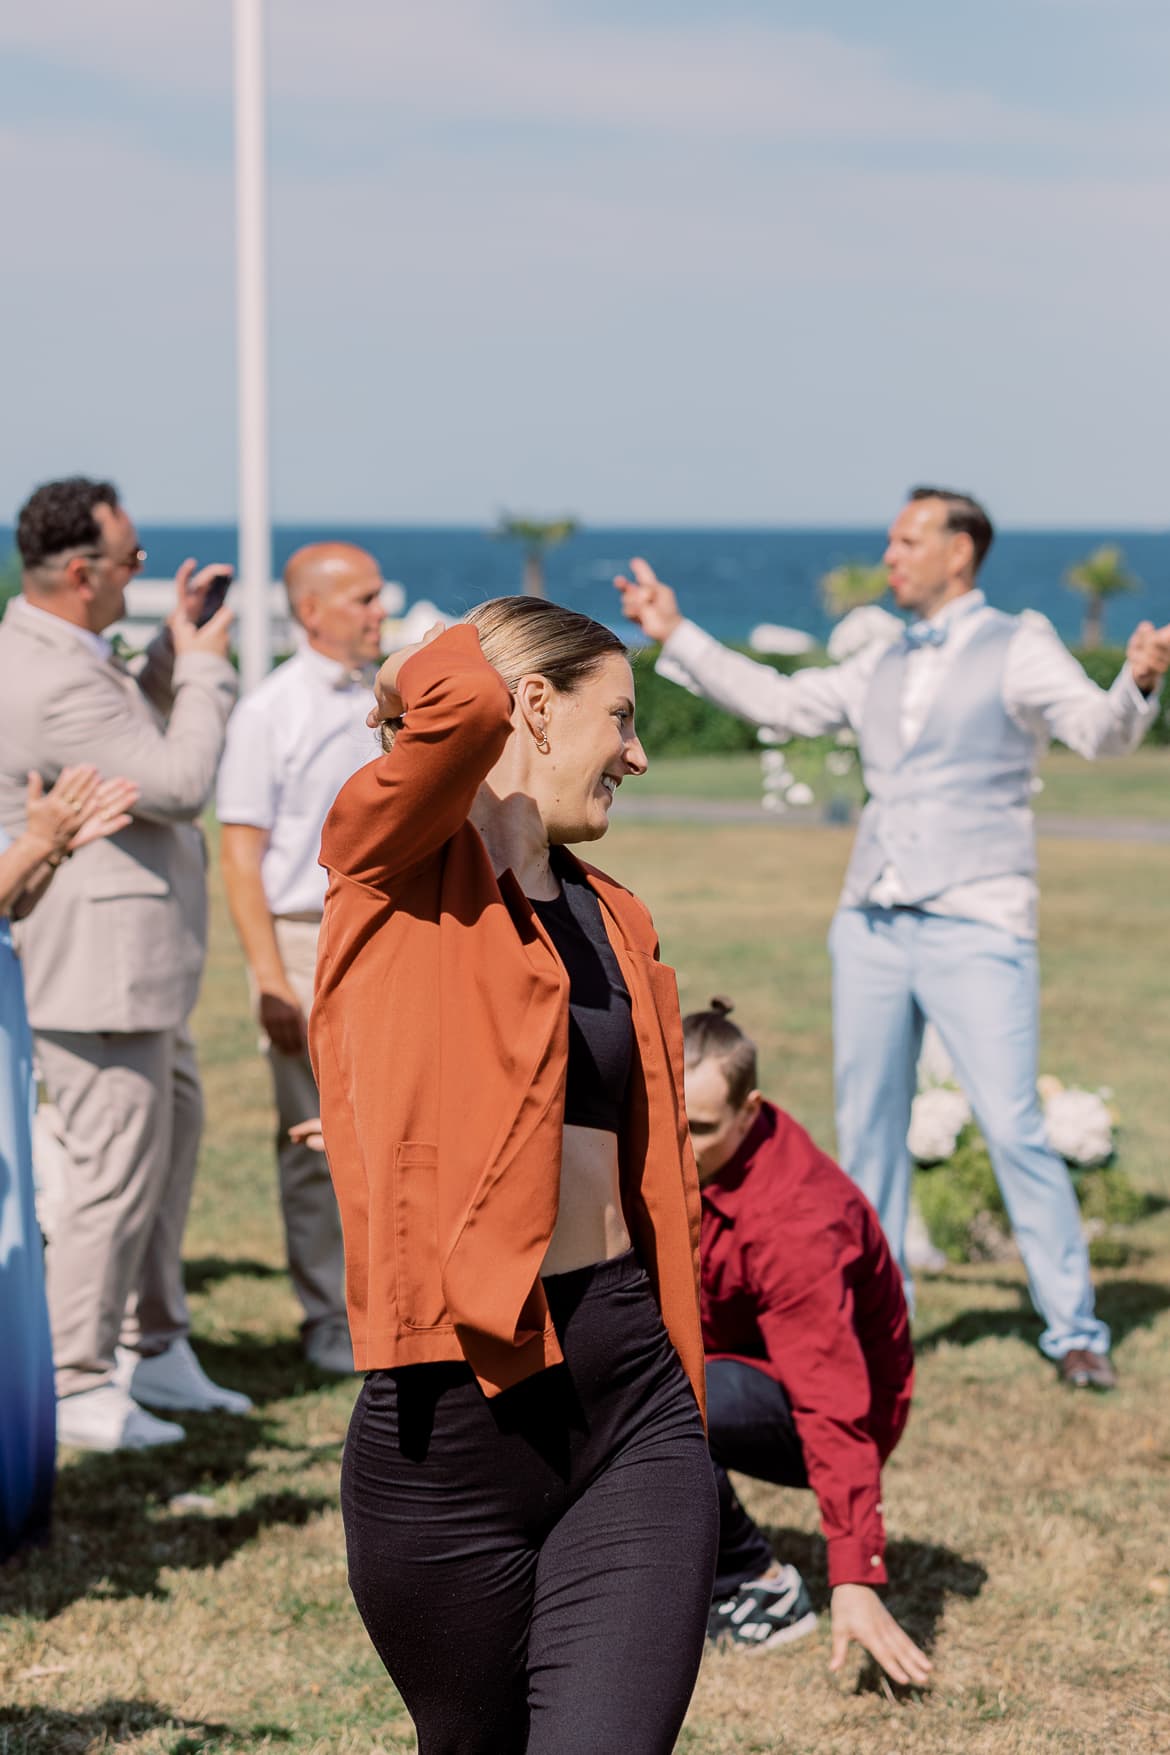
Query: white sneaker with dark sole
{"points": [[763, 1614]]}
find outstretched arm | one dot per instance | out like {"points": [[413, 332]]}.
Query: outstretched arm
{"points": [[1046, 689], [809, 704], [859, 1613]]}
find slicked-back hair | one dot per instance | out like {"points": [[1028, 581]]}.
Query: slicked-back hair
{"points": [[59, 516], [965, 517], [529, 636], [711, 1035]]}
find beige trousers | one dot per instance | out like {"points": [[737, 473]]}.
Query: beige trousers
{"points": [[127, 1118], [312, 1224]]}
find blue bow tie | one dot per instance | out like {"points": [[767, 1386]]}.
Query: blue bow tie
{"points": [[925, 633]]}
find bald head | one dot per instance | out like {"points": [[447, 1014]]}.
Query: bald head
{"points": [[335, 592]]}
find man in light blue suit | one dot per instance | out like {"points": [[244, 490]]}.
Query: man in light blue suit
{"points": [[937, 920]]}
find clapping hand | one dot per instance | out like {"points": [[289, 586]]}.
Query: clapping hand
{"points": [[80, 808], [1148, 655], [648, 602]]}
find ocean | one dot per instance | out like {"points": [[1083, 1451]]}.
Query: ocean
{"points": [[727, 580]]}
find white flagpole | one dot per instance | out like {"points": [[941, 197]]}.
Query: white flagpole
{"points": [[255, 527]]}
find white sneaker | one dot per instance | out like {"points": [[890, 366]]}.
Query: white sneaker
{"points": [[176, 1379], [107, 1418], [329, 1348]]}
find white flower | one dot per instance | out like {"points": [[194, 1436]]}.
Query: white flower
{"points": [[937, 1119], [781, 642], [799, 793], [839, 762], [1079, 1127], [860, 628]]}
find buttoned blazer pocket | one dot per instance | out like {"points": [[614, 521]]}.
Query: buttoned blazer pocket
{"points": [[416, 1236]]}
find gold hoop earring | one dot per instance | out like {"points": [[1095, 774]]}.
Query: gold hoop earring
{"points": [[542, 743]]}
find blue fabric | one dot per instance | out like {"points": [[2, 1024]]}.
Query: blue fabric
{"points": [[28, 1418], [894, 969], [926, 633]]}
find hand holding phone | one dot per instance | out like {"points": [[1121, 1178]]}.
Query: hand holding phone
{"points": [[217, 589]]}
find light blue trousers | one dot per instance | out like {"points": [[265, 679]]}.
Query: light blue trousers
{"points": [[894, 969]]}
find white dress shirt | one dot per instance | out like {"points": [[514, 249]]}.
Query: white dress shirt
{"points": [[291, 746], [1045, 691]]}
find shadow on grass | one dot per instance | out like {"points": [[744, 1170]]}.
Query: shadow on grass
{"points": [[923, 1577], [1125, 1304], [115, 1532], [267, 1370], [209, 1270], [42, 1730]]}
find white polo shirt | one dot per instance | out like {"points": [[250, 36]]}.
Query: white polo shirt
{"points": [[291, 746]]}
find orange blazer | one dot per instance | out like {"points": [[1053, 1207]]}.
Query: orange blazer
{"points": [[439, 1037]]}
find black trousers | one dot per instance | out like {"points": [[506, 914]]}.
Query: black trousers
{"points": [[535, 1569], [750, 1429]]}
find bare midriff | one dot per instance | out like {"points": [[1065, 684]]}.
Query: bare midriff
{"points": [[590, 1226]]}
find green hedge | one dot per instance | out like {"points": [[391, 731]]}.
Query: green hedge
{"points": [[672, 722]]}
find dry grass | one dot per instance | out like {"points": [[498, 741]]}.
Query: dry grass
{"points": [[1028, 1528]]}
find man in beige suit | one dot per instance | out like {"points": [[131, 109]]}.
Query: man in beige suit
{"points": [[112, 958]]}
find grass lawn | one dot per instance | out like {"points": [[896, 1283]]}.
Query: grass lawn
{"points": [[195, 1600], [1135, 786]]}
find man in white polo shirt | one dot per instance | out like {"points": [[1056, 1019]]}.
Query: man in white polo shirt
{"points": [[291, 746]]}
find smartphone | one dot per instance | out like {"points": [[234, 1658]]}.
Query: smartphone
{"points": [[216, 592]]}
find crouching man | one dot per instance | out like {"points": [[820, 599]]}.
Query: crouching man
{"points": [[809, 1360]]}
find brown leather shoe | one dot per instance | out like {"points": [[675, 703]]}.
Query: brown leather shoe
{"points": [[1081, 1369]]}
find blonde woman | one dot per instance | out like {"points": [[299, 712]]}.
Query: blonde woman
{"points": [[529, 1506]]}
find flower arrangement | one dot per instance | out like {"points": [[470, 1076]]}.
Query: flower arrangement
{"points": [[958, 1209]]}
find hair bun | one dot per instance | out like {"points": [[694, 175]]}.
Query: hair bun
{"points": [[723, 1007]]}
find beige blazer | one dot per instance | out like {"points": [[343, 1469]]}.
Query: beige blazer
{"points": [[117, 942]]}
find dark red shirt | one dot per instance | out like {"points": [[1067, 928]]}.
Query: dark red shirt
{"points": [[798, 1280]]}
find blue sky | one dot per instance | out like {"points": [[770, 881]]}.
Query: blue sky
{"points": [[650, 262]]}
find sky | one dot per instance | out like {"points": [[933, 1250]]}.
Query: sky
{"points": [[658, 262]]}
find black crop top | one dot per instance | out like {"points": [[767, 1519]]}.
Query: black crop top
{"points": [[601, 1030]]}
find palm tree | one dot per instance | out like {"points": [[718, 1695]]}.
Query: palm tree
{"points": [[850, 585], [1101, 575], [535, 536]]}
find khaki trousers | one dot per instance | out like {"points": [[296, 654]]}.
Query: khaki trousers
{"points": [[312, 1224], [127, 1118]]}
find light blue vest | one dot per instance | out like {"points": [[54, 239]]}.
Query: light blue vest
{"points": [[955, 805]]}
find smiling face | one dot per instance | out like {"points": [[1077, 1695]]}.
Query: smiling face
{"points": [[593, 747], [928, 563], [107, 573]]}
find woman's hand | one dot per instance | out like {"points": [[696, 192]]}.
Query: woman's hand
{"points": [[53, 818], [80, 808], [108, 813], [859, 1613], [387, 700]]}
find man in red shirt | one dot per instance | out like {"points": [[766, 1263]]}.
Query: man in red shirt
{"points": [[809, 1360]]}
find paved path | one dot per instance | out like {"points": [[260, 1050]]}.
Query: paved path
{"points": [[650, 807]]}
